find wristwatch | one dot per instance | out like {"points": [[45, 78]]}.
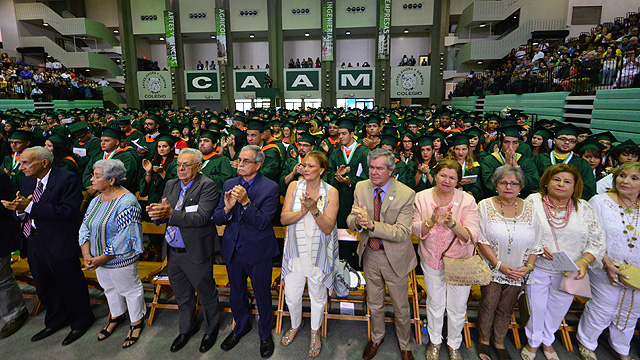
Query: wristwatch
{"points": [[247, 204], [454, 225], [316, 214]]}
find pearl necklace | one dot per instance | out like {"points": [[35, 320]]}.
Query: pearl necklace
{"points": [[515, 218], [551, 210]]}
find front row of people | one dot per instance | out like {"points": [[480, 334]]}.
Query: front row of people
{"points": [[511, 232]]}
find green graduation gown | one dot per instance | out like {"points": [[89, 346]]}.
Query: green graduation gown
{"points": [[218, 169], [359, 170], [543, 162], [491, 162], [130, 163]]}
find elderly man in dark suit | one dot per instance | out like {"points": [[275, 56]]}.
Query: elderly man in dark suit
{"points": [[51, 219], [13, 313], [187, 208], [249, 244]]}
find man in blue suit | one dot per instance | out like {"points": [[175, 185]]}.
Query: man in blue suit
{"points": [[51, 218], [249, 244]]}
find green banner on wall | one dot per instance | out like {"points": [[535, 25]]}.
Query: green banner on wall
{"points": [[221, 36], [384, 30], [327, 31], [170, 38], [202, 85]]}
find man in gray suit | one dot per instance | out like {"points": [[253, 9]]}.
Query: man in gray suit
{"points": [[187, 208]]}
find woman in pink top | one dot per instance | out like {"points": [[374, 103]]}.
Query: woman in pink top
{"points": [[442, 215]]}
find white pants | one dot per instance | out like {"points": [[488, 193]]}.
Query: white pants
{"points": [[440, 297], [548, 306], [294, 288], [602, 311], [123, 290]]}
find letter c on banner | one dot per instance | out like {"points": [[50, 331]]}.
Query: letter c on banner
{"points": [[197, 82]]}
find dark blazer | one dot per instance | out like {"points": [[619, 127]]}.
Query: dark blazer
{"points": [[253, 226], [10, 239], [198, 231], [57, 214]]}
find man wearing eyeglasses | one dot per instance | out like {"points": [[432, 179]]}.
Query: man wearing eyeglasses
{"points": [[564, 142], [249, 245], [192, 239]]}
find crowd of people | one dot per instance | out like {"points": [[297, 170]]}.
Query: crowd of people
{"points": [[44, 82], [304, 64], [524, 193], [206, 65], [605, 58], [345, 65], [411, 61]]}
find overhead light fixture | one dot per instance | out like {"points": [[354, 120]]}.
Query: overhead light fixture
{"points": [[45, 24], [406, 31], [115, 31], [87, 70], [213, 36], [480, 62], [515, 17], [161, 38], [483, 25], [306, 34], [251, 36], [348, 32]]}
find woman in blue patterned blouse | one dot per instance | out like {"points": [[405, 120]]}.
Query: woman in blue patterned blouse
{"points": [[111, 240]]}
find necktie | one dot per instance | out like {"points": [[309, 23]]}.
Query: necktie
{"points": [[247, 186], [26, 227], [374, 242], [170, 235]]}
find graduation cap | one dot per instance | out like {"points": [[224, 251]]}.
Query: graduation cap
{"points": [[390, 130], [156, 118], [622, 147], [79, 128], [413, 121], [389, 140], [124, 120], [372, 120], [588, 144], [303, 126], [460, 139], [60, 140], [469, 120], [347, 123], [544, 133], [22, 135], [425, 140], [446, 112], [567, 129], [605, 136], [409, 134], [257, 125], [211, 135], [543, 123], [556, 123], [168, 138], [287, 124], [511, 130], [474, 131], [239, 134], [113, 133], [491, 117], [308, 138], [437, 133]]}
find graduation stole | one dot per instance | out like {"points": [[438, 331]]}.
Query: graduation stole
{"points": [[14, 160], [347, 159], [115, 152], [207, 158], [500, 158], [151, 138], [131, 132], [73, 160], [552, 155]]}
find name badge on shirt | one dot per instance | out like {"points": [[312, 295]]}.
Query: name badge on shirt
{"points": [[192, 208]]}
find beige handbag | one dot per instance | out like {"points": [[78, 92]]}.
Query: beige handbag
{"points": [[633, 272], [466, 272]]}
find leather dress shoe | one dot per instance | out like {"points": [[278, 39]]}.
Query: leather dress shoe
{"points": [[14, 325], [406, 354], [208, 340], [371, 349], [77, 334], [44, 333], [266, 347], [232, 339], [182, 339]]}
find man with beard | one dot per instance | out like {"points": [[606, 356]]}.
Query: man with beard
{"points": [[293, 167], [147, 144]]}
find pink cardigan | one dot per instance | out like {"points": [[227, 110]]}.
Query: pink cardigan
{"points": [[465, 213]]}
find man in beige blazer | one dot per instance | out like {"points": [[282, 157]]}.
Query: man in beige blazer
{"points": [[385, 248]]}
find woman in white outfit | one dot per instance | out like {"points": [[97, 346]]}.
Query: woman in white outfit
{"points": [[613, 304], [311, 247], [567, 223]]}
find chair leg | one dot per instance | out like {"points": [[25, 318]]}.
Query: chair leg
{"points": [[37, 308], [154, 303], [323, 330], [279, 314], [467, 332], [566, 339], [516, 334], [416, 308], [368, 324]]}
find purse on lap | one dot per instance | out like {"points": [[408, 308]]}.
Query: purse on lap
{"points": [[569, 284], [343, 283], [633, 272], [468, 271]]}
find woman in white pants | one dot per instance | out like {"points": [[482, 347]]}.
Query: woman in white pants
{"points": [[567, 223], [311, 247], [111, 240], [613, 304], [444, 215]]}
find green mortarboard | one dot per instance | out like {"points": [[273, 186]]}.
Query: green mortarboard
{"points": [[239, 134], [113, 133], [287, 124], [60, 140], [605, 136], [545, 133], [437, 133], [276, 122], [240, 117], [460, 139], [256, 125], [588, 144], [446, 112], [425, 140], [170, 139], [79, 128], [491, 117], [308, 138], [567, 129], [409, 134], [511, 130], [556, 123], [390, 130], [474, 131], [211, 135], [303, 126], [469, 120], [582, 130], [347, 123], [155, 118], [372, 120], [413, 121], [124, 120], [22, 135], [389, 140], [620, 148], [543, 123]]}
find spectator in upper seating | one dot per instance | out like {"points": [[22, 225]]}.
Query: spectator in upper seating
{"points": [[291, 65], [5, 60], [628, 71], [318, 63], [404, 61], [520, 54], [111, 240], [36, 94], [57, 65], [298, 66], [212, 65], [206, 65], [103, 82], [199, 65]]}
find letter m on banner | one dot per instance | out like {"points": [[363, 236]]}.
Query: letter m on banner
{"points": [[355, 79]]}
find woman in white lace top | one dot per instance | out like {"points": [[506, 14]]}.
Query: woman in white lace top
{"points": [[567, 224], [508, 242], [613, 305]]}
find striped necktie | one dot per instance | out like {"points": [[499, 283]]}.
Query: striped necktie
{"points": [[375, 242], [26, 227], [170, 234]]}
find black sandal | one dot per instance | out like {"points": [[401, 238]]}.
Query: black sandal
{"points": [[133, 338], [104, 332], [503, 354], [484, 351]]}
